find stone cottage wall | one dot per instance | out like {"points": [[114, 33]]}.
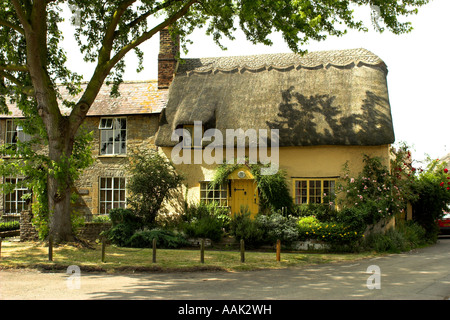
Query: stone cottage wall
{"points": [[141, 130]]}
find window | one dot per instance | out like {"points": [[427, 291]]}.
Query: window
{"points": [[14, 133], [219, 194], [15, 201], [112, 194], [192, 141], [113, 136], [312, 190]]}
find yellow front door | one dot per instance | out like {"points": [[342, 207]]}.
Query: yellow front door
{"points": [[244, 193]]}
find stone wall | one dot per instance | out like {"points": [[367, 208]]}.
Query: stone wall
{"points": [[27, 231], [91, 231], [141, 130]]}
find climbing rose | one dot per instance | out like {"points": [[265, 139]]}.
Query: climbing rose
{"points": [[441, 184], [445, 170]]}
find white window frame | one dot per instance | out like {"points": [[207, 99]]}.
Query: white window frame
{"points": [[218, 194], [18, 203], [107, 126], [117, 184], [15, 132]]}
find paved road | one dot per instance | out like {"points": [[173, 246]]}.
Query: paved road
{"points": [[423, 274]]}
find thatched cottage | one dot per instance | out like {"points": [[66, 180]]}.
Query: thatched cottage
{"points": [[328, 108]]}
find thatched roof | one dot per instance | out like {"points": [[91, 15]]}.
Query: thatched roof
{"points": [[321, 98], [136, 97]]}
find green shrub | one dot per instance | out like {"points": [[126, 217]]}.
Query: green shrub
{"points": [[124, 225], [204, 227], [278, 227], [164, 239], [322, 211], [264, 229], [120, 234], [124, 216], [101, 219], [205, 221], [8, 226], [242, 226], [330, 232], [413, 233], [153, 179], [406, 236]]}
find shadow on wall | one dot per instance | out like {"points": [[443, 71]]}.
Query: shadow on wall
{"points": [[316, 120]]}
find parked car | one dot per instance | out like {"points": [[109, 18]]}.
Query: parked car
{"points": [[444, 224]]}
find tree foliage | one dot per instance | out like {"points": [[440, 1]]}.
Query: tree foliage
{"points": [[33, 67], [152, 180]]}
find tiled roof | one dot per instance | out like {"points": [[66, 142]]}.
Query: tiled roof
{"points": [[135, 98]]}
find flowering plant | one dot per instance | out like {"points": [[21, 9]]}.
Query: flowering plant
{"points": [[330, 231], [388, 190]]}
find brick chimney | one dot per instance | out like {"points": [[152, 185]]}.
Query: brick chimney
{"points": [[168, 50]]}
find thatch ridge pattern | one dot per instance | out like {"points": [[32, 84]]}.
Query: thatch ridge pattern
{"points": [[282, 61]]}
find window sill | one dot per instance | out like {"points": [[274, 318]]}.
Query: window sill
{"points": [[112, 156]]}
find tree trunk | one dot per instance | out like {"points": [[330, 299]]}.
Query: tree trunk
{"points": [[59, 211], [60, 188]]}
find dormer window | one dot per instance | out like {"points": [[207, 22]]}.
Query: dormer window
{"points": [[194, 138]]}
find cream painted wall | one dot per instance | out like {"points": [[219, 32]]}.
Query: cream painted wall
{"points": [[298, 162]]}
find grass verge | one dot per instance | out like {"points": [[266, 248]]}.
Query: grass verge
{"points": [[35, 256]]}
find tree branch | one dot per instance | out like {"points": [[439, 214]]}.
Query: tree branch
{"points": [[110, 32], [147, 35], [21, 15], [144, 16], [12, 67], [12, 26], [105, 66], [25, 89]]}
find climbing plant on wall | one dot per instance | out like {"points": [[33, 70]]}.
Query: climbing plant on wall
{"points": [[273, 189]]}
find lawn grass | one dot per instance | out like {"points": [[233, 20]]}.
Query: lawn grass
{"points": [[35, 256]]}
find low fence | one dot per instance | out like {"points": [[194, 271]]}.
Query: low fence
{"points": [[154, 249]]}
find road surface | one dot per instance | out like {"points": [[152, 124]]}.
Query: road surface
{"points": [[422, 274]]}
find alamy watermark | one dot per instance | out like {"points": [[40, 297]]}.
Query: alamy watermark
{"points": [[73, 282], [374, 281], [233, 144]]}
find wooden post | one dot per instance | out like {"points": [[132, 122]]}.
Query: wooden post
{"points": [[242, 251], [103, 249], [202, 251], [50, 248], [278, 249], [154, 250]]}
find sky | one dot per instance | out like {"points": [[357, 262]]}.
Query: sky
{"points": [[418, 77]]}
